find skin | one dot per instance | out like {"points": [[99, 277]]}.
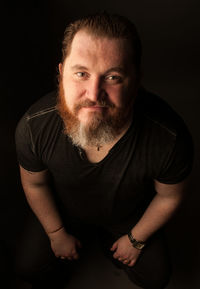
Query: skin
{"points": [[101, 70], [96, 68]]}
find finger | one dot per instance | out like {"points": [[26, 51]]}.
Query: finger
{"points": [[62, 257], [76, 256], [115, 255], [114, 247], [132, 263], [126, 261], [78, 243], [73, 252]]}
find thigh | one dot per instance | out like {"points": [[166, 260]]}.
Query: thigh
{"points": [[5, 265], [152, 269], [35, 260], [33, 253]]}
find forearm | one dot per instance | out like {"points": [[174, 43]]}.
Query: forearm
{"points": [[63, 244], [42, 203], [158, 213], [40, 198]]}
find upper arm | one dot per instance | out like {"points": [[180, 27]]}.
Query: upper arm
{"points": [[28, 147], [34, 179], [171, 190]]}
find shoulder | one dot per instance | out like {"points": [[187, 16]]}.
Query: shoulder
{"points": [[41, 118], [158, 114], [38, 133], [165, 138], [43, 112], [44, 105]]}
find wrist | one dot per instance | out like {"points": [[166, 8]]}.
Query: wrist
{"points": [[61, 228], [138, 244]]}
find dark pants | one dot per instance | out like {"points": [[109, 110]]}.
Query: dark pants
{"points": [[36, 263]]}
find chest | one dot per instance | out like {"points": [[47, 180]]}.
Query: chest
{"points": [[96, 155]]}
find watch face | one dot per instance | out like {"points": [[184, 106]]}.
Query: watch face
{"points": [[137, 244], [140, 246]]}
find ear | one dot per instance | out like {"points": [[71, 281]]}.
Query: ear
{"points": [[60, 67]]}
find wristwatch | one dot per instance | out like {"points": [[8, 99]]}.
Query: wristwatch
{"points": [[136, 244]]}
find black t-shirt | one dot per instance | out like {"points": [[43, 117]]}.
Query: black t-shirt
{"points": [[115, 191]]}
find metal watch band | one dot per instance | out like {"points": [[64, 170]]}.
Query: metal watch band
{"points": [[136, 244]]}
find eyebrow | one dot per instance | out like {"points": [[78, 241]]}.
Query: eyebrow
{"points": [[78, 66], [112, 69], [116, 69]]}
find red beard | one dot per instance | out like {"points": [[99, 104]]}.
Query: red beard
{"points": [[103, 128]]}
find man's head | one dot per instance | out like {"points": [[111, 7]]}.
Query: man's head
{"points": [[99, 78], [108, 26]]}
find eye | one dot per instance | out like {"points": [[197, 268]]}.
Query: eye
{"points": [[80, 74], [113, 78]]}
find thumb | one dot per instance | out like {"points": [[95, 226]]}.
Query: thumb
{"points": [[114, 246], [78, 243]]}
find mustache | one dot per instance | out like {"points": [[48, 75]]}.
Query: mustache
{"points": [[89, 103]]}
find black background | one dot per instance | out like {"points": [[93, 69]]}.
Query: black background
{"points": [[31, 34]]}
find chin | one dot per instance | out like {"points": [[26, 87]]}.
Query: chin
{"points": [[88, 118]]}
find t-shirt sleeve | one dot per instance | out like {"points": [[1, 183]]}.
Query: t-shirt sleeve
{"points": [[25, 147], [180, 160]]}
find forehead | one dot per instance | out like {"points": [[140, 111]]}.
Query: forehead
{"points": [[99, 50]]}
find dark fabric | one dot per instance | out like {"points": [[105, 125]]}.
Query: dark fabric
{"points": [[114, 192], [36, 263], [6, 265], [152, 269]]}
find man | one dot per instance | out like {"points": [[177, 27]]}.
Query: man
{"points": [[104, 154]]}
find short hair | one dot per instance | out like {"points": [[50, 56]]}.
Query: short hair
{"points": [[105, 25]]}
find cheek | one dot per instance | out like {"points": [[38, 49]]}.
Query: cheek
{"points": [[116, 95], [73, 93], [123, 95]]}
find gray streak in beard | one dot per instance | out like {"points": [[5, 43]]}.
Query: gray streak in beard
{"points": [[83, 136]]}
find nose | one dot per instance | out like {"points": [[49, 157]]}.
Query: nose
{"points": [[95, 89]]}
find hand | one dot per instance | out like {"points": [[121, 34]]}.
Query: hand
{"points": [[64, 245], [125, 252]]}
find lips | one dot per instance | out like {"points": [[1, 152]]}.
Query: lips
{"points": [[87, 104], [94, 107]]}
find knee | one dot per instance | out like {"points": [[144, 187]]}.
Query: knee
{"points": [[153, 281], [25, 271], [159, 282], [159, 277], [31, 267]]}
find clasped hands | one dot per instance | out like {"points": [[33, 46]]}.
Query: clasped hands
{"points": [[65, 246]]}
